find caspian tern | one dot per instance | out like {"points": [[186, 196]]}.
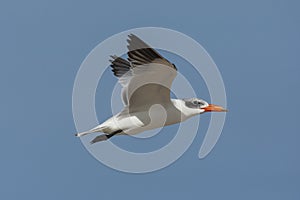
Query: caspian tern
{"points": [[146, 78]]}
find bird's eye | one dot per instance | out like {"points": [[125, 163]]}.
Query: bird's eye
{"points": [[196, 102]]}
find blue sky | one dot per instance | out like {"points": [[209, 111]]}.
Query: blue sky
{"points": [[255, 45]]}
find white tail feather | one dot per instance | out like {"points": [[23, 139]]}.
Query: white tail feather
{"points": [[82, 133], [97, 129]]}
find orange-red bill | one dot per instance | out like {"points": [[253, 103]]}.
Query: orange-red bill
{"points": [[214, 108]]}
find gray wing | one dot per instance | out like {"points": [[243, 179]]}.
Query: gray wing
{"points": [[146, 77]]}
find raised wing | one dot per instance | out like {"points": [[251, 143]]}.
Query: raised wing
{"points": [[146, 77]]}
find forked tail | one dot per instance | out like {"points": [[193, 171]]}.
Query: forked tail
{"points": [[82, 133], [103, 137], [94, 130], [99, 137]]}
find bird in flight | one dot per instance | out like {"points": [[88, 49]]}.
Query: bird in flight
{"points": [[146, 78]]}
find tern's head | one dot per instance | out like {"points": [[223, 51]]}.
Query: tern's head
{"points": [[200, 106]]}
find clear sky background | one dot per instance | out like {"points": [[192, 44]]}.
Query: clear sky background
{"points": [[256, 46]]}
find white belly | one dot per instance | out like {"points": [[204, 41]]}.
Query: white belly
{"points": [[131, 124]]}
